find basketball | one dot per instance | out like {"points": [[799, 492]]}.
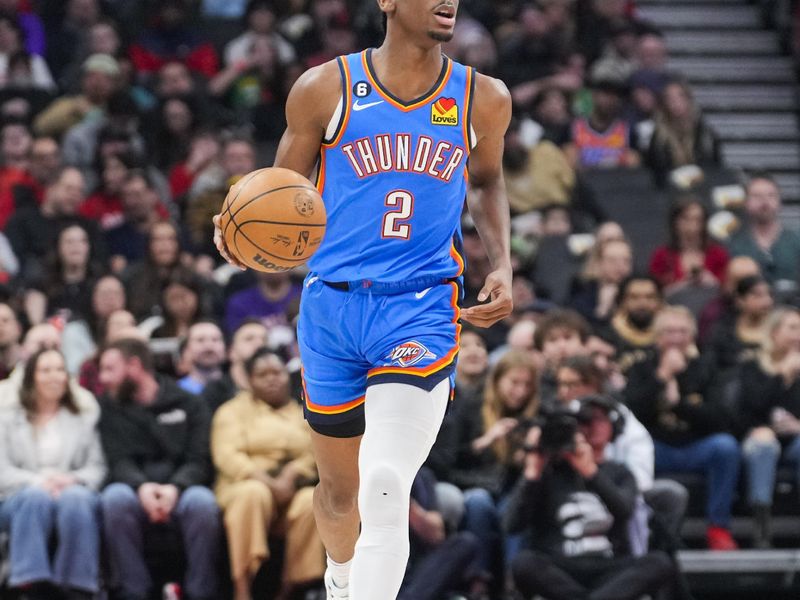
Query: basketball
{"points": [[273, 219]]}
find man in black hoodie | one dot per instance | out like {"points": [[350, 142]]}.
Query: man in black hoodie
{"points": [[155, 438]]}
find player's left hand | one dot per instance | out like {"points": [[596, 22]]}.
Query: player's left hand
{"points": [[497, 290]]}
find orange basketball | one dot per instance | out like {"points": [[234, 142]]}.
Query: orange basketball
{"points": [[273, 219]]}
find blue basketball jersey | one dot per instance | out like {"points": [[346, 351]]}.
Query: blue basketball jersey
{"points": [[394, 178]]}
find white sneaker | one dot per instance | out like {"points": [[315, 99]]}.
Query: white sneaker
{"points": [[334, 592]]}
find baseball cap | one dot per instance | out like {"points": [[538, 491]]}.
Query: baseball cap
{"points": [[101, 63]]}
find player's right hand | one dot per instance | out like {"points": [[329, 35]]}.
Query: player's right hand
{"points": [[222, 247]]}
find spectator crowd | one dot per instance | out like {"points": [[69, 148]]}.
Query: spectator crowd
{"points": [[151, 428]]}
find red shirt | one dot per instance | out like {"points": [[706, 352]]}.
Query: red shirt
{"points": [[666, 267], [10, 178], [107, 210]]}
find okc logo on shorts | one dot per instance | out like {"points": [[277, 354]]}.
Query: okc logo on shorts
{"points": [[408, 354]]}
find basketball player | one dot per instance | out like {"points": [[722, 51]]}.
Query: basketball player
{"points": [[391, 130]]}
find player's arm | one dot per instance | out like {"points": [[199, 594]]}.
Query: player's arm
{"points": [[487, 202], [309, 107]]}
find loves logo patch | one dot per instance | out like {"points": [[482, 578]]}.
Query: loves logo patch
{"points": [[408, 354], [444, 112]]}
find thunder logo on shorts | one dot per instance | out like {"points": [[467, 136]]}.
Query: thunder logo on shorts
{"points": [[393, 175]]}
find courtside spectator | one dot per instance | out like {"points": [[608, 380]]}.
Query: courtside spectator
{"points": [[574, 506], [45, 336], [156, 441], [632, 445], [769, 402], [265, 475], [52, 466], [674, 394]]}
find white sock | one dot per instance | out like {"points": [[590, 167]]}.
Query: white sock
{"points": [[340, 572]]}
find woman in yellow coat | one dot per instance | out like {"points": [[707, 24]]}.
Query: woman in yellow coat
{"points": [[262, 451]]}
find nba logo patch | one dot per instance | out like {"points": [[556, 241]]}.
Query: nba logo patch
{"points": [[444, 112], [408, 354]]}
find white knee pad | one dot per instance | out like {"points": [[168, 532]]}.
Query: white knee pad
{"points": [[402, 422]]}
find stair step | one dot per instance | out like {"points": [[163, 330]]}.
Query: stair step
{"points": [[692, 15], [746, 97], [729, 69], [722, 42], [772, 156], [754, 126]]}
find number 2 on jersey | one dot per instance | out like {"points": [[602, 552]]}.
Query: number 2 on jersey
{"points": [[393, 227]]}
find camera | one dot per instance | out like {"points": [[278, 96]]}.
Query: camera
{"points": [[559, 424]]}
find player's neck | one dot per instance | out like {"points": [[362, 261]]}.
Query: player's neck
{"points": [[406, 69]]}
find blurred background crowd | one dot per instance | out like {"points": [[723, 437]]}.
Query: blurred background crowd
{"points": [[151, 435]]}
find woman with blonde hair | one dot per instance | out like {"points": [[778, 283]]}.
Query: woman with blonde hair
{"points": [[769, 393], [680, 137]]}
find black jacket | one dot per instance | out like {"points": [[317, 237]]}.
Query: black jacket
{"points": [[760, 393], [166, 442], [567, 515], [699, 412]]}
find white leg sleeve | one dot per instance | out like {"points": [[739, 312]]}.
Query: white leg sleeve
{"points": [[402, 422]]}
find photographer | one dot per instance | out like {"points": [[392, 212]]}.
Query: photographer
{"points": [[574, 505]]}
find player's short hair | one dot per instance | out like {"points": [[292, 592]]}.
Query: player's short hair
{"points": [[561, 318]]}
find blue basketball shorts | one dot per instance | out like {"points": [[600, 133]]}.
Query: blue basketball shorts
{"points": [[354, 336]]}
